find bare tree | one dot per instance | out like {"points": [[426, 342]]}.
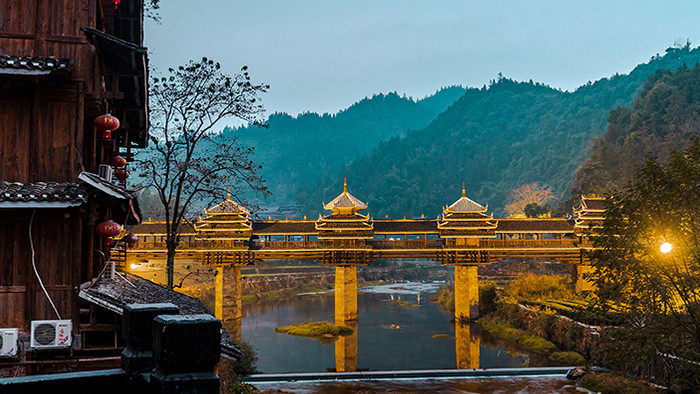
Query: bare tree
{"points": [[185, 161], [532, 193]]}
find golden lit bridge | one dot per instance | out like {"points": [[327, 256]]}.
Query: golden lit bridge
{"points": [[464, 236]]}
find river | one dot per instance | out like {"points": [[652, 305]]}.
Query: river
{"points": [[389, 336]]}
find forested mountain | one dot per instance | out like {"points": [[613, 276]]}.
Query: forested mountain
{"points": [[297, 152], [664, 118], [495, 139]]}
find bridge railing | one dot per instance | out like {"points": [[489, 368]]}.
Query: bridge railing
{"points": [[410, 244], [527, 243]]}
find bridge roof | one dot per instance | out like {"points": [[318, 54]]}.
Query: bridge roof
{"points": [[157, 227], [228, 206], [403, 226], [282, 227], [591, 204], [345, 201], [464, 204], [531, 225]]}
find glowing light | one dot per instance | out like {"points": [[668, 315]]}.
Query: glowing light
{"points": [[665, 247], [133, 266]]}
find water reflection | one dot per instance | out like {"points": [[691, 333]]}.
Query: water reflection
{"points": [[406, 332], [346, 349], [467, 345]]}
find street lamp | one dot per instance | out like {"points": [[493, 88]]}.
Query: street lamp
{"points": [[665, 247]]}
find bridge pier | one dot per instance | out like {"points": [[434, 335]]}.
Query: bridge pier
{"points": [[466, 293], [228, 302], [345, 294]]}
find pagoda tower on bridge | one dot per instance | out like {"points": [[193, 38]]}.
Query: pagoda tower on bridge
{"points": [[465, 222], [463, 225], [345, 225]]}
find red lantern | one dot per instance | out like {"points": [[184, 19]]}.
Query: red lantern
{"points": [[108, 230], [117, 161], [121, 174], [106, 123], [131, 239], [116, 3]]}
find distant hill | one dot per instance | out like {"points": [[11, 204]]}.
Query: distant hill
{"points": [[494, 139], [298, 151], [664, 118]]}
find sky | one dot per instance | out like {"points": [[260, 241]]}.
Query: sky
{"points": [[322, 56]]}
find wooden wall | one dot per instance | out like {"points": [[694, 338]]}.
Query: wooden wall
{"points": [[48, 28], [57, 257], [41, 136]]}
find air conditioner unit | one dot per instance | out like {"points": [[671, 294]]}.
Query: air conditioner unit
{"points": [[105, 172], [51, 334], [8, 342]]}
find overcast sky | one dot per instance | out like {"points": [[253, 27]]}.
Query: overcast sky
{"points": [[324, 55]]}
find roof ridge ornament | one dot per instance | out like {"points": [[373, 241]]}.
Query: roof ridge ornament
{"points": [[345, 185], [464, 190]]}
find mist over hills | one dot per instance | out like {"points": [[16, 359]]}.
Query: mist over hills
{"points": [[495, 139], [298, 151]]}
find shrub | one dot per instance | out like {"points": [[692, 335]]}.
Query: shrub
{"points": [[538, 287], [567, 358], [315, 329], [613, 383]]}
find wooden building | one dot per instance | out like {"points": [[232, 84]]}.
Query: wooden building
{"points": [[63, 64]]}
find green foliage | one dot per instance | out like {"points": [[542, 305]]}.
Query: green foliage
{"points": [[246, 365], [659, 293], [445, 297], [315, 329], [664, 117], [567, 358], [530, 343], [536, 211], [300, 151], [579, 310], [614, 383], [538, 287], [239, 387], [565, 333], [496, 139]]}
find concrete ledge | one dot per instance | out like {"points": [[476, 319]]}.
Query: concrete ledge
{"points": [[105, 381], [417, 374]]}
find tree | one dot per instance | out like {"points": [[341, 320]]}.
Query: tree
{"points": [[532, 193], [537, 211], [185, 162], [657, 287]]}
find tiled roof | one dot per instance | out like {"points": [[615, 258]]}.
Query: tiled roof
{"points": [[115, 294], [158, 228], [64, 192], [405, 226], [33, 65], [345, 200], [595, 204], [228, 206], [555, 225], [284, 227]]}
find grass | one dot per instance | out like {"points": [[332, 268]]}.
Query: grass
{"points": [[528, 342], [406, 304], [613, 383], [567, 359], [315, 330]]}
